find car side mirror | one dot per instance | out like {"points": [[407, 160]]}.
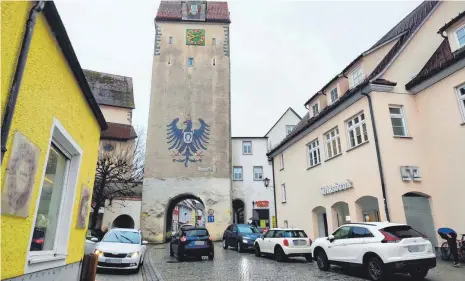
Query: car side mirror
{"points": [[94, 239], [144, 242], [331, 238], [262, 236]]}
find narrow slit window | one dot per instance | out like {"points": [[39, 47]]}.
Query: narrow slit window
{"points": [[170, 40], [190, 62], [214, 42], [214, 61]]}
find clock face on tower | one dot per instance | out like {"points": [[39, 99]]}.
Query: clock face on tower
{"points": [[195, 37]]}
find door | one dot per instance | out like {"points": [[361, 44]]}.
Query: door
{"points": [[266, 242], [336, 248], [227, 233], [232, 236], [359, 237], [419, 215]]}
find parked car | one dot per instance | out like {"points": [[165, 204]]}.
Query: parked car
{"points": [[241, 236], [192, 242], [283, 243], [121, 248], [381, 248]]}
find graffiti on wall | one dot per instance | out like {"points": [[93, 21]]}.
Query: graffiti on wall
{"points": [[187, 143]]}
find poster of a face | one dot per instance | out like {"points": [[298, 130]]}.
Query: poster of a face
{"points": [[20, 176], [83, 207]]}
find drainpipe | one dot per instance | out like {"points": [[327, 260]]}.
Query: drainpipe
{"points": [[18, 77], [378, 155], [274, 195]]}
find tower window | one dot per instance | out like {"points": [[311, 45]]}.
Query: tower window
{"points": [[169, 60], [170, 40], [190, 62], [214, 61], [214, 41]]}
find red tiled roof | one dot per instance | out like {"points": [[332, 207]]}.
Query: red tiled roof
{"points": [[172, 11], [117, 131]]}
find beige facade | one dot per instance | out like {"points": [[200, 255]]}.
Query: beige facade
{"points": [[420, 135]]}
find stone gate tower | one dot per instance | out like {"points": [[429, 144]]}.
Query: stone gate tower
{"points": [[189, 126]]}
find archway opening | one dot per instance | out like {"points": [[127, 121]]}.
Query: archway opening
{"points": [[238, 211], [418, 214], [123, 221], [340, 214], [183, 209], [320, 223], [367, 209]]}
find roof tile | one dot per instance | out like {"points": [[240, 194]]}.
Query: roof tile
{"points": [[118, 131], [110, 89]]}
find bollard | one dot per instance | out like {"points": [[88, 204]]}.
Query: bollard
{"points": [[89, 267]]}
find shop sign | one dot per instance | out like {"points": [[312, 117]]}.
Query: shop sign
{"points": [[262, 204], [273, 221], [336, 187]]}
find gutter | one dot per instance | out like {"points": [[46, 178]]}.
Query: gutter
{"points": [[378, 156], [274, 195], [18, 76]]}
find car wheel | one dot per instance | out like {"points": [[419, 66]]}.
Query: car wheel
{"points": [[141, 262], [419, 273], [225, 244], [171, 251], [279, 254], [308, 257], [257, 251], [240, 249], [322, 260], [375, 269]]}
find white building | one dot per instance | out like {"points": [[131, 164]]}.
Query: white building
{"points": [[252, 171]]}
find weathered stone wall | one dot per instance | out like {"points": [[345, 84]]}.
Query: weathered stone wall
{"points": [[201, 91]]}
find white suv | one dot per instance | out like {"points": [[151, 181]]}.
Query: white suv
{"points": [[283, 243], [382, 248]]}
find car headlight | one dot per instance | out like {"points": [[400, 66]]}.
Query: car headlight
{"points": [[246, 237], [133, 255], [98, 252]]}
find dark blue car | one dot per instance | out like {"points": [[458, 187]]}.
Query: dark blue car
{"points": [[192, 242], [240, 236]]}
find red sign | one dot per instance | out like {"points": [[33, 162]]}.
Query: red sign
{"points": [[262, 203]]}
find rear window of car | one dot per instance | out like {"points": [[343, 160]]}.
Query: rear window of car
{"points": [[196, 232], [295, 234], [402, 231]]}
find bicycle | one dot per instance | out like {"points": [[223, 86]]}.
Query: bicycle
{"points": [[445, 251]]}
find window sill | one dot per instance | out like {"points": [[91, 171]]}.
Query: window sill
{"points": [[463, 124], [257, 180], [281, 169], [355, 147], [284, 202], [316, 165], [333, 157], [237, 180], [402, 137], [246, 153], [45, 258]]}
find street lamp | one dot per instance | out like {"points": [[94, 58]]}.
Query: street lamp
{"points": [[266, 181]]}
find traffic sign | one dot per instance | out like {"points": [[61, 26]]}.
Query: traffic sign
{"points": [[211, 218]]}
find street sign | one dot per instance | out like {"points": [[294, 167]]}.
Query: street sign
{"points": [[211, 212], [211, 218]]}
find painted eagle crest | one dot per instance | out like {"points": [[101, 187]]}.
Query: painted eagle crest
{"points": [[187, 144]]}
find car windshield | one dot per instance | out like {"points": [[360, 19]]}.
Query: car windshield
{"points": [[127, 237], [402, 231], [196, 232], [295, 234], [247, 229]]}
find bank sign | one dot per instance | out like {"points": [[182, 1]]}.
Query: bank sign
{"points": [[336, 187]]}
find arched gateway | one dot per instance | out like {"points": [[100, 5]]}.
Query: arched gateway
{"points": [[189, 131]]}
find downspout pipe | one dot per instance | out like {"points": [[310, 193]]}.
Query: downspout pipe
{"points": [[18, 77], [378, 156], [274, 194]]}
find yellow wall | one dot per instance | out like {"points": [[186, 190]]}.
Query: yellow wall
{"points": [[48, 90]]}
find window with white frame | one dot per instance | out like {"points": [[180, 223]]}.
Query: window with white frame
{"points": [[237, 173], [51, 225], [333, 95], [315, 109], [333, 143], [313, 153], [289, 129], [399, 127], [281, 161], [257, 173], [283, 193], [190, 62], [460, 34], [246, 147], [357, 130], [357, 76], [461, 97]]}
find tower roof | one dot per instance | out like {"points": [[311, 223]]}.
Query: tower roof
{"points": [[211, 11]]}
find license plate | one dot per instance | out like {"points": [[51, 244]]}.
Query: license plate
{"points": [[199, 243], [414, 248], [113, 260], [300, 243], [204, 258]]}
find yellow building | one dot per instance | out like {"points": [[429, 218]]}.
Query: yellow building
{"points": [[50, 150]]}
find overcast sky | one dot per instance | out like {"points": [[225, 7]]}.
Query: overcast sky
{"points": [[282, 52]]}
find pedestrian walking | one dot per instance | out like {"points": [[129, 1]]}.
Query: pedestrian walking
{"points": [[452, 241]]}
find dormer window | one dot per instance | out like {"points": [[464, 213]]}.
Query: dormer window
{"points": [[315, 109], [460, 34], [357, 76], [333, 95]]}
